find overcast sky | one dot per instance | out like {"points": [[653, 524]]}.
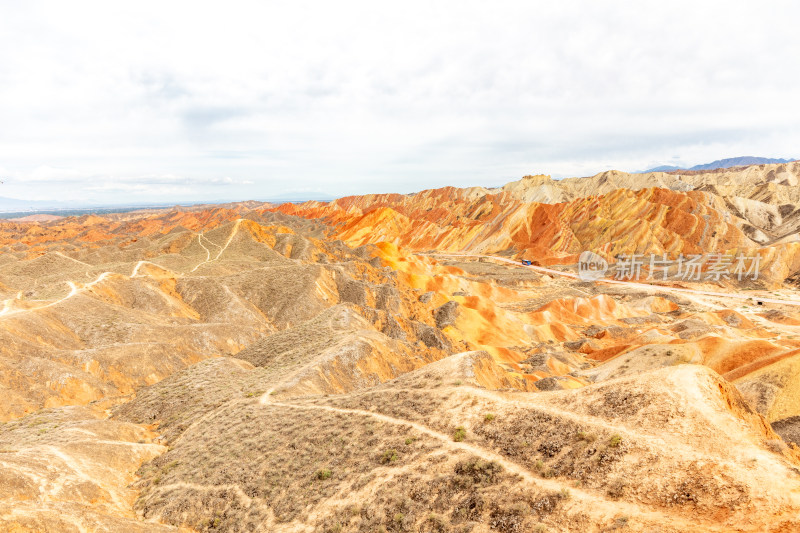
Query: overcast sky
{"points": [[175, 101]]}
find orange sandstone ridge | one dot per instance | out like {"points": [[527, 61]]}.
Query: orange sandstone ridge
{"points": [[639, 219], [313, 367]]}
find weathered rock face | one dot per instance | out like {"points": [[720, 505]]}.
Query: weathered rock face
{"points": [[612, 213], [243, 368], [103, 319]]}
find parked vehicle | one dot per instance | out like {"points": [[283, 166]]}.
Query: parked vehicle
{"points": [[526, 262]]}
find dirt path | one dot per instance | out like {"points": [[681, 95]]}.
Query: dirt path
{"points": [[580, 501], [135, 272], [73, 259], [74, 289], [200, 242], [209, 241], [221, 248], [633, 284], [208, 253], [520, 399]]}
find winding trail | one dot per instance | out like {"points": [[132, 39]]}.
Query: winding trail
{"points": [[200, 238], [209, 241], [580, 501], [74, 289], [135, 273]]}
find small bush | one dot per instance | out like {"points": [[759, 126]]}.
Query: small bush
{"points": [[488, 417], [510, 519], [437, 522], [389, 456], [410, 440], [586, 437], [565, 494], [460, 434], [615, 441], [324, 474], [616, 489], [478, 471]]}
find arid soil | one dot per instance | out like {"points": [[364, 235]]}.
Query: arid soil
{"points": [[325, 367]]}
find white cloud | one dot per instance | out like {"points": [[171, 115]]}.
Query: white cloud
{"points": [[48, 173], [355, 97]]}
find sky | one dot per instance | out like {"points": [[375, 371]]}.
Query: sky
{"points": [[170, 101]]}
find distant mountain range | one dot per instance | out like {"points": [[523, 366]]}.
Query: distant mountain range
{"points": [[14, 204], [722, 163]]}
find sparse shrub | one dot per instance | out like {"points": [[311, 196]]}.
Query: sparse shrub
{"points": [[586, 437], [538, 465], [616, 489], [565, 494], [546, 503], [324, 474], [480, 472], [520, 508], [547, 474], [410, 440], [510, 519], [458, 382], [437, 523], [615, 441], [488, 417], [389, 456], [460, 434], [335, 528]]}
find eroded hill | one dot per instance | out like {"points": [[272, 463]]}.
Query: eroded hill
{"points": [[315, 367]]}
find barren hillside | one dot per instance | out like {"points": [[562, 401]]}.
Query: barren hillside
{"points": [[386, 363]]}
